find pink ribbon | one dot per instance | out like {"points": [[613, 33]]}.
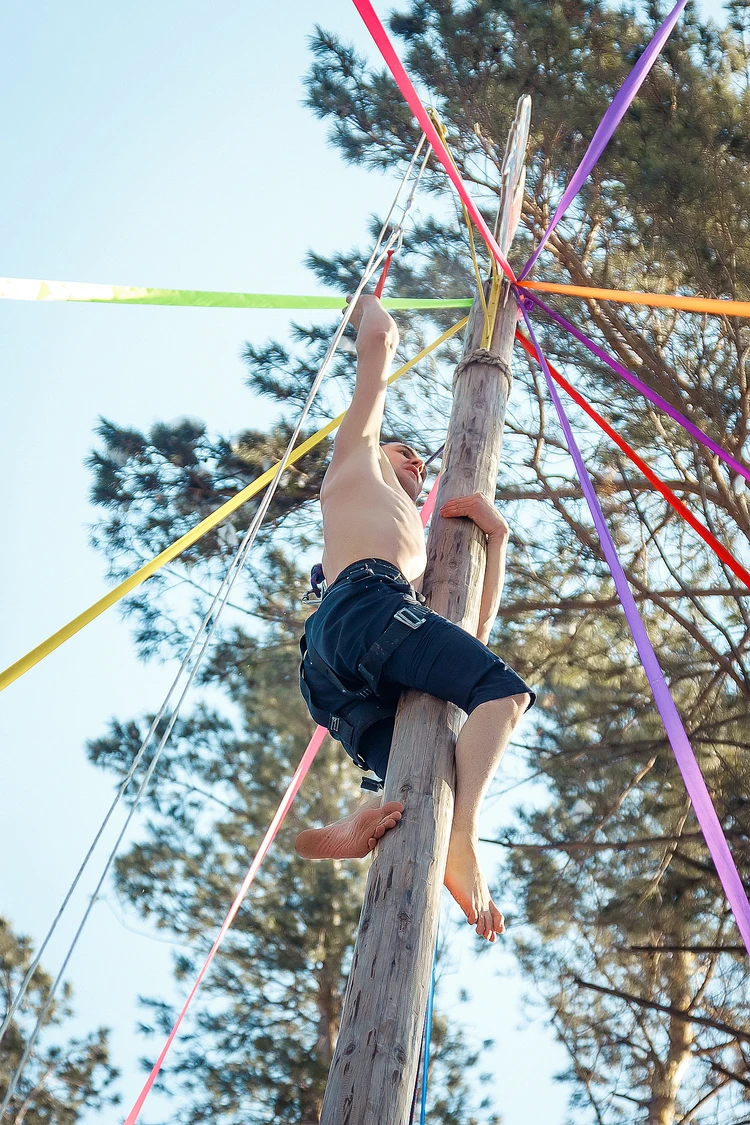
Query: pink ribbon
{"points": [[286, 803], [405, 85], [294, 786]]}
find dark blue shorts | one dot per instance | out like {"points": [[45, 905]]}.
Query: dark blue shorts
{"points": [[439, 658]]}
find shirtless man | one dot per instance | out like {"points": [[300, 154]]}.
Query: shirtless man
{"points": [[371, 638]]}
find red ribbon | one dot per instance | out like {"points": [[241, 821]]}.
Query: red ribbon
{"points": [[381, 284], [674, 501]]}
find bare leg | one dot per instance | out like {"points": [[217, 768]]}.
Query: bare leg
{"points": [[354, 836], [481, 744]]}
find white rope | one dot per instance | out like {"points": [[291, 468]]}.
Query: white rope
{"points": [[208, 625]]}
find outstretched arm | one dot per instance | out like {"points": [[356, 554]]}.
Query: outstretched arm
{"points": [[487, 518], [377, 340]]}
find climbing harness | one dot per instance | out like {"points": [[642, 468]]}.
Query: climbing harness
{"points": [[356, 710]]}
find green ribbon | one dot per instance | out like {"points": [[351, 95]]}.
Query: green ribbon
{"points": [[23, 289]]}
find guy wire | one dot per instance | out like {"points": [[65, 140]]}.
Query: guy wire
{"points": [[209, 623]]}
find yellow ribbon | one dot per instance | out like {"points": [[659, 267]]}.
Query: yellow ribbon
{"points": [[488, 308], [32, 658]]}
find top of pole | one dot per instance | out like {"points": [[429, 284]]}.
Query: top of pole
{"points": [[513, 175]]}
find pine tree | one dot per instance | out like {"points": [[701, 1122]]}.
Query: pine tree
{"points": [[625, 928], [64, 1078], [666, 208]]}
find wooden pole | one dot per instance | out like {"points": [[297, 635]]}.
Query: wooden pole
{"points": [[374, 1068]]}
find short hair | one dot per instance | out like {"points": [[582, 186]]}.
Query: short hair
{"points": [[397, 441]]}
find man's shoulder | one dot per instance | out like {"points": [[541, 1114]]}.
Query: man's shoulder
{"points": [[361, 459]]}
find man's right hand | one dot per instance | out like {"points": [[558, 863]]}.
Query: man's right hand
{"points": [[478, 509], [371, 320]]}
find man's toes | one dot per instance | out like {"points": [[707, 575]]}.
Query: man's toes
{"points": [[498, 922]]}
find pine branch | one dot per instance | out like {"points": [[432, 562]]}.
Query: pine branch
{"points": [[617, 846], [738, 949], [677, 1013], [529, 605], [729, 1074]]}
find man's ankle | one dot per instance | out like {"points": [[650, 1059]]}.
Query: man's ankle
{"points": [[463, 832]]}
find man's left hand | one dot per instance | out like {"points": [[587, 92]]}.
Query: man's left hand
{"points": [[478, 509]]}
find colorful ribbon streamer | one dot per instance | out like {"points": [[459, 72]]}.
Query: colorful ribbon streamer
{"points": [[404, 83], [428, 1037], [607, 126], [673, 726], [673, 500], [711, 305], [35, 655], [27, 289], [23, 289], [286, 801], [643, 388]]}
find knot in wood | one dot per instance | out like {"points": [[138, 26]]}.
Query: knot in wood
{"points": [[487, 359]]}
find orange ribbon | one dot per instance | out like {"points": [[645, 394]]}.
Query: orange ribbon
{"points": [[654, 300]]}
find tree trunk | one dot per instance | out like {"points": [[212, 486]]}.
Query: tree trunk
{"points": [[668, 1075]]}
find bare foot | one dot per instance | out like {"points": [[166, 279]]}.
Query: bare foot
{"points": [[350, 838], [467, 884]]}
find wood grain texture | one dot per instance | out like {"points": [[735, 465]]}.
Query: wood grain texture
{"points": [[374, 1069]]}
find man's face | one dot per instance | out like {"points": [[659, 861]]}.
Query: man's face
{"points": [[407, 465]]}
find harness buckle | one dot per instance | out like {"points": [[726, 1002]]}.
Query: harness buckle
{"points": [[413, 616], [371, 784], [334, 727], [361, 572]]}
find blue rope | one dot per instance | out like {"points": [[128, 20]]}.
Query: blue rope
{"points": [[427, 1041]]}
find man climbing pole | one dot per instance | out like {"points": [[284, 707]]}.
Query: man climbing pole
{"points": [[372, 637]]}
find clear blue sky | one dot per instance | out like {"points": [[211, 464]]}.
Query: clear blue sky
{"points": [[165, 145]]}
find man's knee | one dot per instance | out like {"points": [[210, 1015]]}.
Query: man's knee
{"points": [[509, 707]]}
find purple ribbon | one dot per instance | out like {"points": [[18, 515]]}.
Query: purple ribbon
{"points": [[644, 390], [607, 126], [675, 731]]}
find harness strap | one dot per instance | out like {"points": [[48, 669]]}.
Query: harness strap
{"points": [[320, 665], [359, 709], [405, 620]]}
